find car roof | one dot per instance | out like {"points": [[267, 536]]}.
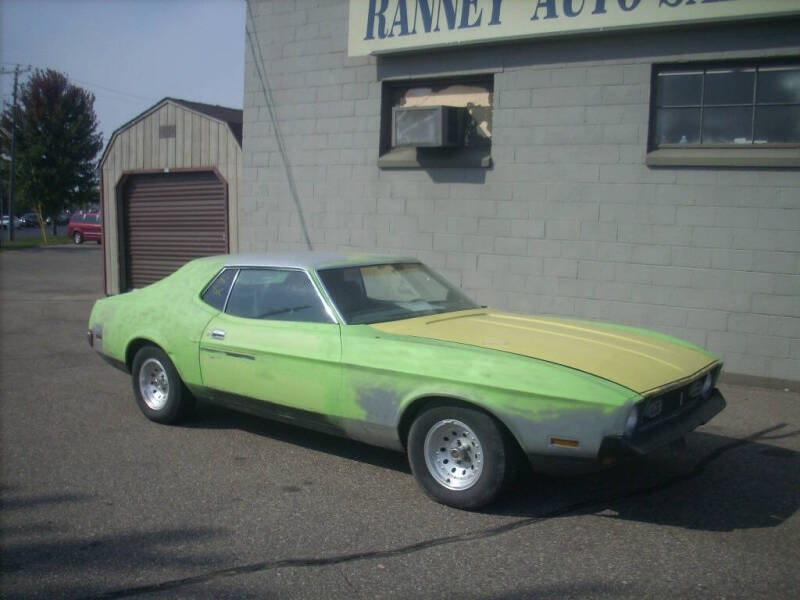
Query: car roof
{"points": [[313, 260]]}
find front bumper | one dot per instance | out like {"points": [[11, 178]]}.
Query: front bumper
{"points": [[615, 448], [672, 430]]}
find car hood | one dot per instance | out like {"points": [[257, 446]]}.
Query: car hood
{"points": [[640, 360]]}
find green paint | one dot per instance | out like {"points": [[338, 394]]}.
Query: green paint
{"points": [[361, 376]]}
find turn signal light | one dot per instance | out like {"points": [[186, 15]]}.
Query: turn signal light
{"points": [[564, 442]]}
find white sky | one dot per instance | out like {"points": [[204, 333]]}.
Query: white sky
{"points": [[130, 53]]}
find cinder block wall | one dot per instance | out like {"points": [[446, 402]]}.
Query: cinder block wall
{"points": [[569, 221]]}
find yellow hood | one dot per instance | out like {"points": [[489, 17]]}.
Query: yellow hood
{"points": [[635, 359]]}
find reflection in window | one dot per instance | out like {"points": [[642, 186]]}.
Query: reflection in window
{"points": [[726, 105], [276, 295], [217, 292], [377, 293]]}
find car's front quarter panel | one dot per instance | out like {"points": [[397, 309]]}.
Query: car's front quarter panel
{"points": [[386, 374]]}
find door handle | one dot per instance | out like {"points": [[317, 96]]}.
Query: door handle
{"points": [[218, 334]]}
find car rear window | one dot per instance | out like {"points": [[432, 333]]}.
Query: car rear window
{"points": [[217, 293]]}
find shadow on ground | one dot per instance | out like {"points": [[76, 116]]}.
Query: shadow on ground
{"points": [[208, 416], [708, 486]]}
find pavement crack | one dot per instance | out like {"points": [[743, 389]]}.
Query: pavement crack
{"points": [[576, 507]]}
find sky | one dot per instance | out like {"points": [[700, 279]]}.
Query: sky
{"points": [[129, 53]]}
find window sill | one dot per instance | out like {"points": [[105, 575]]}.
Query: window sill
{"points": [[759, 157], [436, 158]]}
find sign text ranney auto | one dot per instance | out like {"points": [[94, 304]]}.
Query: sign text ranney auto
{"points": [[386, 25]]}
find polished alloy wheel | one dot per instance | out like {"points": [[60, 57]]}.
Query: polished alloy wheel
{"points": [[153, 384], [453, 454]]}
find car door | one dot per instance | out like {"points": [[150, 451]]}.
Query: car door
{"points": [[276, 343]]}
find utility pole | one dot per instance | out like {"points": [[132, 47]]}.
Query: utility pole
{"points": [[4, 133], [17, 71]]}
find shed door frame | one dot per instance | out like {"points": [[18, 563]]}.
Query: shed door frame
{"points": [[122, 225]]}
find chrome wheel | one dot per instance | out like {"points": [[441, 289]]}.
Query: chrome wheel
{"points": [[453, 454], [153, 384]]}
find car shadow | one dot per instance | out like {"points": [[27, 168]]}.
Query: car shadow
{"points": [[749, 482], [717, 483], [209, 416]]}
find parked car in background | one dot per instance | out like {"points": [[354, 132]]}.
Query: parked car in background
{"points": [[18, 222], [29, 219], [385, 351], [85, 226]]}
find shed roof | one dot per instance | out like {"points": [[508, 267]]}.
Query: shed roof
{"points": [[232, 117]]}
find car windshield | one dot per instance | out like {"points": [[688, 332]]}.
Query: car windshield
{"points": [[377, 293]]}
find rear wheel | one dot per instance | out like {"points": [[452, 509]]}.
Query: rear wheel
{"points": [[459, 455], [77, 237], [159, 391]]}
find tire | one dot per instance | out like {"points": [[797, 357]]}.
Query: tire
{"points": [[459, 455], [159, 391], [77, 237]]}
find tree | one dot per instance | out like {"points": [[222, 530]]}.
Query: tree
{"points": [[57, 142]]}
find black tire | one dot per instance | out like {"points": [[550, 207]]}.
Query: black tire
{"points": [[159, 391], [486, 448], [77, 237]]}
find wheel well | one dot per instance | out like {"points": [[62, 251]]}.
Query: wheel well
{"points": [[133, 348], [420, 404]]}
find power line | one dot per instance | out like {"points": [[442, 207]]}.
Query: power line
{"points": [[113, 91], [96, 85], [259, 62]]}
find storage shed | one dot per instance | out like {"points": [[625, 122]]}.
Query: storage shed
{"points": [[170, 190]]}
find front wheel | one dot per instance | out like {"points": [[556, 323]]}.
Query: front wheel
{"points": [[459, 455], [159, 391], [77, 237]]}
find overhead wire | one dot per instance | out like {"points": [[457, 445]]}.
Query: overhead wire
{"points": [[97, 86], [258, 59]]}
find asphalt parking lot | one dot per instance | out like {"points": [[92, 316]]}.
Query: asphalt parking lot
{"points": [[97, 502]]}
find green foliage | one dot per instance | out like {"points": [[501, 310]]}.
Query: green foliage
{"points": [[57, 142]]}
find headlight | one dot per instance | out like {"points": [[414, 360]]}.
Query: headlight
{"points": [[632, 420]]}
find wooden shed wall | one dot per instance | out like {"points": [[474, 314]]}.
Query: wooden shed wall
{"points": [[199, 142]]}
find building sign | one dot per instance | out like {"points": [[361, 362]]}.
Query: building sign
{"points": [[378, 26]]}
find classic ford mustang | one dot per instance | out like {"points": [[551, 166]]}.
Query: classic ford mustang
{"points": [[384, 350]]}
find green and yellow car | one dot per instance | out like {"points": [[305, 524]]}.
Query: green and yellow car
{"points": [[385, 351]]}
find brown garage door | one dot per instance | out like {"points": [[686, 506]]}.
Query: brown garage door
{"points": [[169, 219]]}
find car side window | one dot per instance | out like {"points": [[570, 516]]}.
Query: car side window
{"points": [[276, 294], [217, 292]]}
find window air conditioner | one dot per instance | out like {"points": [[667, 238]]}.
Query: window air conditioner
{"points": [[427, 126]]}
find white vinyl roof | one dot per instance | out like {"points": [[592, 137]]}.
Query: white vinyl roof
{"points": [[312, 260]]}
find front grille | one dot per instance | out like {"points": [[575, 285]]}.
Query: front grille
{"points": [[664, 407]]}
